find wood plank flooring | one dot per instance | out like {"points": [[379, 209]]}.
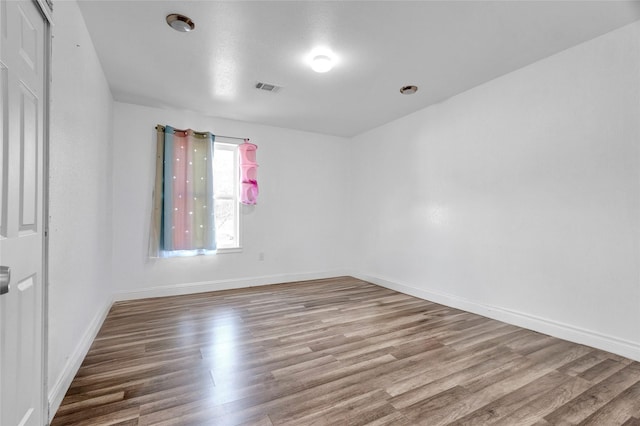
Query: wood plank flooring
{"points": [[337, 352]]}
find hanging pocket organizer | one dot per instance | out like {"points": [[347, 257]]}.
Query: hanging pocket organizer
{"points": [[248, 173]]}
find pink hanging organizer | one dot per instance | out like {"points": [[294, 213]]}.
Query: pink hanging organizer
{"points": [[248, 173]]}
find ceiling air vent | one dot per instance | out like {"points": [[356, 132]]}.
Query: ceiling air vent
{"points": [[268, 87]]}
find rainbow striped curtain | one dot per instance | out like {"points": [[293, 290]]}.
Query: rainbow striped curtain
{"points": [[183, 216]]}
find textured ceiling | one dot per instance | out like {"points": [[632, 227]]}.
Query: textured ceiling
{"points": [[444, 47]]}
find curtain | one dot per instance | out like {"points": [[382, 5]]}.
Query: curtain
{"points": [[183, 215]]}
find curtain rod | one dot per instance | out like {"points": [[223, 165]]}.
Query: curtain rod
{"points": [[231, 137], [161, 128]]}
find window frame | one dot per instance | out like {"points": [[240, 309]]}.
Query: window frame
{"points": [[233, 147]]}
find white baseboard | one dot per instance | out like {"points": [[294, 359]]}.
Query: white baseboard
{"points": [[204, 286], [553, 328], [58, 391]]}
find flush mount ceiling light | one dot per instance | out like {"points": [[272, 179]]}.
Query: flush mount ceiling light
{"points": [[321, 63], [321, 59], [180, 22], [408, 90]]}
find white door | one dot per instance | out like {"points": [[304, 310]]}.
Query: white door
{"points": [[22, 107]]}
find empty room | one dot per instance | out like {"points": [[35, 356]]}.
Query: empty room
{"points": [[319, 212]]}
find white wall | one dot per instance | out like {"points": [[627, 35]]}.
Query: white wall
{"points": [[299, 223], [518, 199], [80, 289]]}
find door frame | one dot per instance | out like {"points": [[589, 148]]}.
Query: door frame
{"points": [[46, 9]]}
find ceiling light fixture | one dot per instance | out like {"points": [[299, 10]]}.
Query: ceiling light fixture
{"points": [[180, 23], [321, 63], [408, 90]]}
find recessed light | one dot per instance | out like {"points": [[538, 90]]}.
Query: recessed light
{"points": [[180, 22], [321, 63], [408, 90]]}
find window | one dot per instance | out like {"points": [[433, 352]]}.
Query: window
{"points": [[185, 221], [226, 180]]}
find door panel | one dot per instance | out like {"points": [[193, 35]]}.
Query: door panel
{"points": [[28, 41], [22, 83], [4, 145], [3, 19], [29, 160], [26, 348]]}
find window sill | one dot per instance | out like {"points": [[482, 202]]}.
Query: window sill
{"points": [[195, 253], [229, 250]]}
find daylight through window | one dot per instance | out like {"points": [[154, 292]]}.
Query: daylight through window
{"points": [[225, 189]]}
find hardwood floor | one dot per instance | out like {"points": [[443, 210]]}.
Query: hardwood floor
{"points": [[337, 352]]}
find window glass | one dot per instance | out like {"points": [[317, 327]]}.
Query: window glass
{"points": [[225, 184]]}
